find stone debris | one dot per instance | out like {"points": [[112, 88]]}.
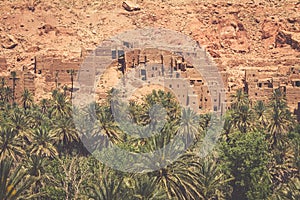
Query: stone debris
{"points": [[130, 6], [290, 38], [9, 42]]}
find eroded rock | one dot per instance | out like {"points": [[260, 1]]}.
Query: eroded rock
{"points": [[290, 38], [130, 6]]}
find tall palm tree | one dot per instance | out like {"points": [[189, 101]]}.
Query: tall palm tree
{"points": [[60, 105], [8, 94], [2, 87], [238, 99], [281, 120], [242, 118], [72, 74], [108, 126], [145, 188], [19, 122], [65, 132], [43, 143], [171, 167], [189, 126], [2, 82], [260, 110], [65, 89], [27, 99], [241, 112], [13, 182], [56, 79], [14, 78], [108, 186], [204, 120], [228, 124], [38, 117], [213, 183], [35, 167], [44, 104], [10, 144], [179, 179], [167, 100]]}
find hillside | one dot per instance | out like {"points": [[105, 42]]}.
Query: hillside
{"points": [[239, 35]]}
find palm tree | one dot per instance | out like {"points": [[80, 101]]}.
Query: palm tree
{"points": [[72, 73], [260, 110], [178, 179], [108, 126], [27, 99], [60, 106], [2, 87], [38, 117], [14, 78], [227, 127], [167, 100], [281, 120], [189, 126], [238, 99], [288, 191], [2, 82], [145, 188], [213, 184], [56, 79], [43, 143], [108, 186], [20, 123], [64, 130], [10, 144], [44, 105], [8, 94], [35, 167], [204, 120], [65, 88], [13, 182], [242, 118]]}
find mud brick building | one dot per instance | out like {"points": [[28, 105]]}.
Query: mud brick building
{"points": [[260, 83], [56, 70], [174, 73], [194, 87], [23, 80]]}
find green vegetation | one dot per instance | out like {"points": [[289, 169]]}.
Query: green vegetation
{"points": [[42, 156]]}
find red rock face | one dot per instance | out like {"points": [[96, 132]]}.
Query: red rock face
{"points": [[269, 30], [233, 36], [238, 34]]}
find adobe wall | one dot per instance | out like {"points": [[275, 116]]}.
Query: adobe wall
{"points": [[3, 64], [187, 83], [56, 70], [260, 84]]}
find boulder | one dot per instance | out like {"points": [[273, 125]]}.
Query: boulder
{"points": [[269, 29], [290, 38], [130, 6]]}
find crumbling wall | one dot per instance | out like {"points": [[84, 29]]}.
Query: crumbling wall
{"points": [[3, 64], [56, 70], [260, 84]]}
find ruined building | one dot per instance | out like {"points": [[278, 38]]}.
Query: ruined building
{"points": [[153, 66], [260, 83], [22, 79]]}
